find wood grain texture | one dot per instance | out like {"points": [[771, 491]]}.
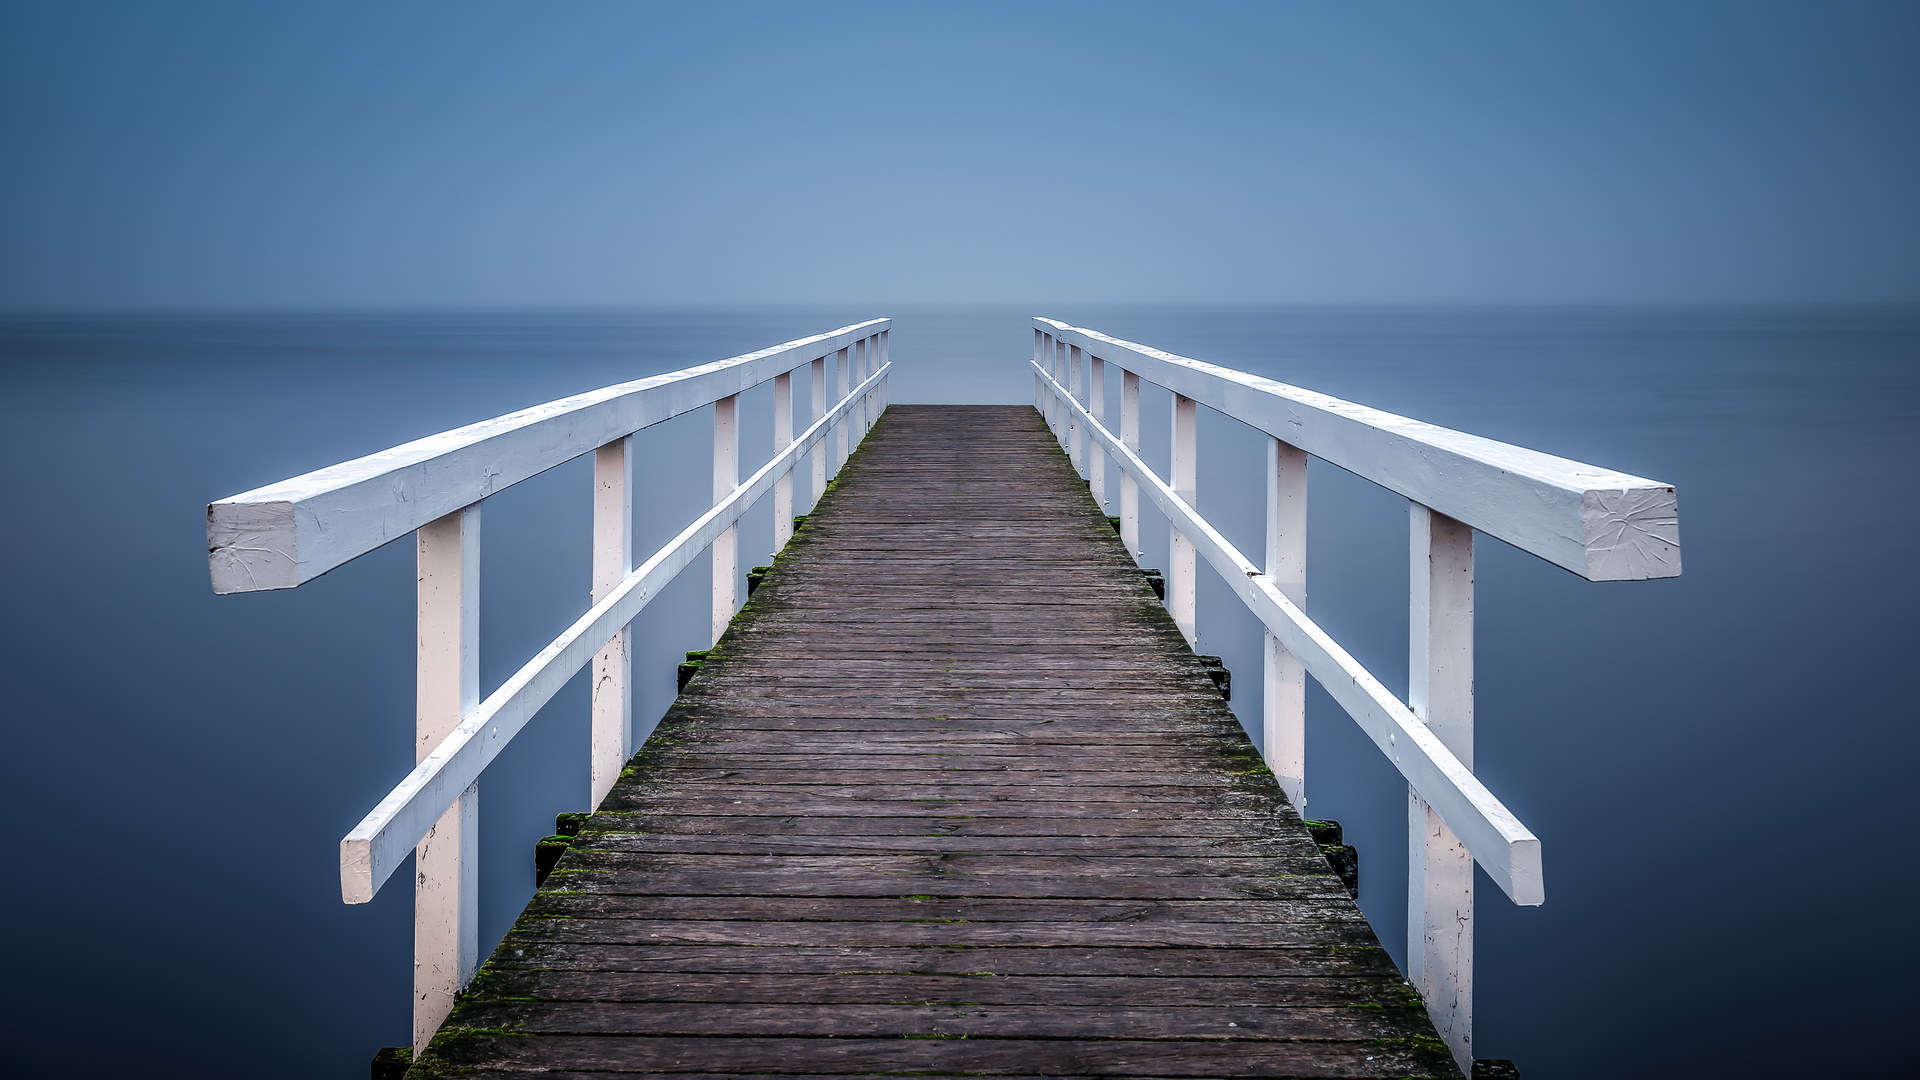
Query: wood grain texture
{"points": [[951, 797]]}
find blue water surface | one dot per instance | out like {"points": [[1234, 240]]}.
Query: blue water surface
{"points": [[1718, 766]]}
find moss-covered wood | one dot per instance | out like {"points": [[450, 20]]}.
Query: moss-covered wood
{"points": [[952, 796]]}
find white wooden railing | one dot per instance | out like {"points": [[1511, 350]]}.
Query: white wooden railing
{"points": [[1600, 524], [286, 534]]}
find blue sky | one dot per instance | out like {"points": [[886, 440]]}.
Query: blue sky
{"points": [[226, 155]]}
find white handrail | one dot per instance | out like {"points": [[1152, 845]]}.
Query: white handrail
{"points": [[1600, 524], [1502, 845], [383, 839], [285, 534]]}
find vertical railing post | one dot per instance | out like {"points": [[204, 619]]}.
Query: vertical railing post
{"points": [[1181, 562], [613, 665], [1284, 703], [1074, 433], [1053, 404], [1130, 438], [1039, 395], [446, 898], [840, 427], [1097, 405], [726, 546], [817, 380], [885, 352], [857, 415], [782, 437], [1440, 692], [1065, 430]]}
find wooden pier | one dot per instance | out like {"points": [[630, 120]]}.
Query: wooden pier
{"points": [[952, 796]]}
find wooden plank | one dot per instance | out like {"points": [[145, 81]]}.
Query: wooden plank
{"points": [[377, 845], [1505, 848], [974, 811]]}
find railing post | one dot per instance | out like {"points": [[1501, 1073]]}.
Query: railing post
{"points": [[1053, 404], [1284, 708], [1440, 693], [817, 380], [1130, 438], [1181, 561], [726, 477], [1039, 395], [782, 437], [1097, 405], [1075, 436], [613, 665], [1064, 431], [446, 898], [840, 427], [857, 415], [885, 352]]}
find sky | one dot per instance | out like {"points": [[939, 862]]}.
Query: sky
{"points": [[428, 154]]}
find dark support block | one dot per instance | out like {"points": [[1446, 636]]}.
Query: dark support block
{"points": [[1115, 522], [1222, 678], [1326, 832], [754, 577], [569, 824], [392, 1062], [547, 852], [691, 667], [1158, 583], [1495, 1069], [1344, 859]]}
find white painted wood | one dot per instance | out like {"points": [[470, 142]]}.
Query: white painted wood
{"points": [[843, 447], [1046, 362], [1182, 571], [1039, 394], [1075, 452], [1440, 693], [284, 534], [1284, 703], [817, 375], [726, 546], [782, 435], [1600, 524], [885, 359], [613, 666], [1097, 405], [446, 946], [1129, 488], [860, 375], [1502, 846], [380, 843], [1060, 377]]}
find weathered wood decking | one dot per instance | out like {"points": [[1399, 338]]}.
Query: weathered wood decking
{"points": [[953, 796]]}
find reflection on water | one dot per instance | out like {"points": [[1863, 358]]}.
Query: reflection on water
{"points": [[1714, 764]]}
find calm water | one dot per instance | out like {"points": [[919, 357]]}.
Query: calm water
{"points": [[1719, 766]]}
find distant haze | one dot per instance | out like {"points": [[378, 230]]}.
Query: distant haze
{"points": [[438, 154]]}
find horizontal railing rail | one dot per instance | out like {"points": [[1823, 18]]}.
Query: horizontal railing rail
{"points": [[1598, 523], [387, 835], [285, 534], [1509, 853]]}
